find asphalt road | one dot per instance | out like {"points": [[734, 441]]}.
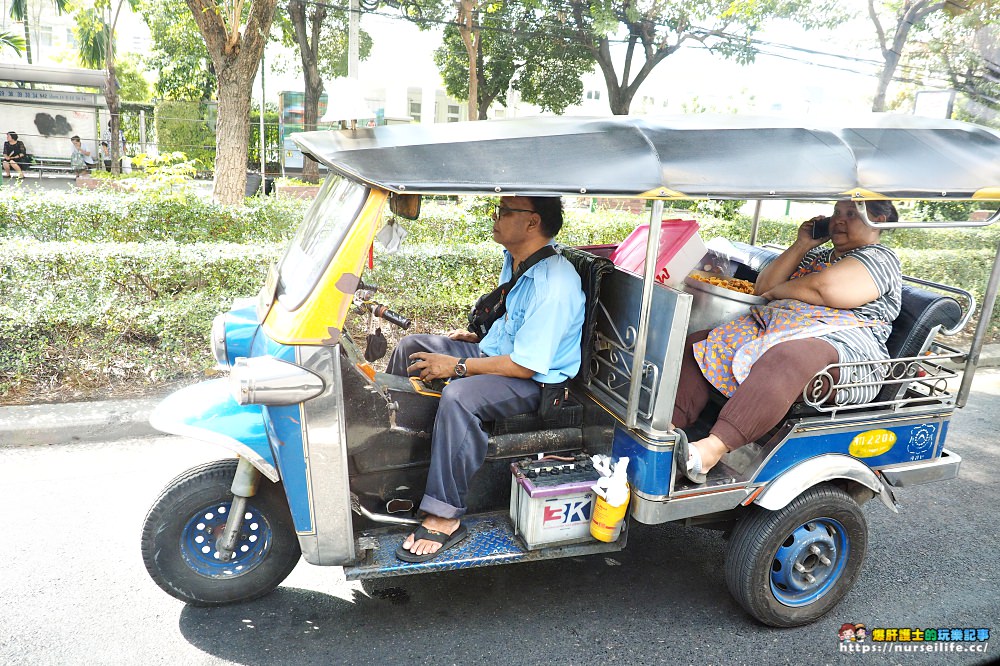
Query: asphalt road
{"points": [[75, 591]]}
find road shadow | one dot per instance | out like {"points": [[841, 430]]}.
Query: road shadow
{"points": [[558, 611]]}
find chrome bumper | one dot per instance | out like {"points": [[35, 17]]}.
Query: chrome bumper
{"points": [[925, 471]]}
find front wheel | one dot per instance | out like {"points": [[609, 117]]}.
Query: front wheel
{"points": [[791, 566], [179, 535]]}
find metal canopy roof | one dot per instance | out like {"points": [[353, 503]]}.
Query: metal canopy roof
{"points": [[697, 156]]}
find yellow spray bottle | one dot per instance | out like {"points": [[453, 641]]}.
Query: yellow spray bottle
{"points": [[610, 504]]}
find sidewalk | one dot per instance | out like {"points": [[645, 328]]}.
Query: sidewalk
{"points": [[68, 423], [48, 425]]}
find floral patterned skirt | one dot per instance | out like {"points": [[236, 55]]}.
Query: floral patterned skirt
{"points": [[730, 350]]}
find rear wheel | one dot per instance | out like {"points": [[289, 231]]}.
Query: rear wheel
{"points": [[791, 566], [179, 535]]}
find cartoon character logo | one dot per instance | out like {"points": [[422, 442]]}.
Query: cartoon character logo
{"points": [[860, 633], [846, 633]]}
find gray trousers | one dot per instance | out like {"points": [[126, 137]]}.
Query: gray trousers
{"points": [[458, 440]]}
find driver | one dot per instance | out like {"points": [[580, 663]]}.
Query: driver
{"points": [[537, 341]]}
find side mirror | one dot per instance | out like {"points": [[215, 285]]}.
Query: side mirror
{"points": [[406, 206]]}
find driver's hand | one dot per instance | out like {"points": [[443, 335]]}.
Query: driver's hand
{"points": [[463, 335], [432, 366]]}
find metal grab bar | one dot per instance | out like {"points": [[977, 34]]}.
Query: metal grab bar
{"points": [[963, 224], [897, 371]]}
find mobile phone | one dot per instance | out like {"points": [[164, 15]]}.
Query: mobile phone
{"points": [[821, 228]]}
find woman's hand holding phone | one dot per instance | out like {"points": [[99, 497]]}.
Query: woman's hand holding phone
{"points": [[820, 228]]}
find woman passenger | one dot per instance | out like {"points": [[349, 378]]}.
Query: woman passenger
{"points": [[826, 306]]}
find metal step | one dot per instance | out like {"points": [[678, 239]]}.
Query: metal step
{"points": [[491, 541]]}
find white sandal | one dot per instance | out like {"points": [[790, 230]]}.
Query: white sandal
{"points": [[688, 459]]}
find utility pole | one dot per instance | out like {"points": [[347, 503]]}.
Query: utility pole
{"points": [[352, 39], [263, 140]]}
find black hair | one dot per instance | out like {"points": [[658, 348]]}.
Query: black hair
{"points": [[881, 207], [75, 137], [550, 209], [13, 135]]}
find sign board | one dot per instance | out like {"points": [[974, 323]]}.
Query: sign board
{"points": [[291, 110], [51, 97], [934, 103], [45, 130]]}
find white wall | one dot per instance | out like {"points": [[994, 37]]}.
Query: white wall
{"points": [[45, 129]]}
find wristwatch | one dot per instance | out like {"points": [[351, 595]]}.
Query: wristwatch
{"points": [[460, 369]]}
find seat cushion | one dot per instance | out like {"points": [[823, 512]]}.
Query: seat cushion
{"points": [[921, 315], [592, 270]]}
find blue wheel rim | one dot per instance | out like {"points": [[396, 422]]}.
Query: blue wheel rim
{"points": [[203, 528], [809, 562]]}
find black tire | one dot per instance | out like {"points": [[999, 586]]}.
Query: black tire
{"points": [[766, 545], [178, 539]]}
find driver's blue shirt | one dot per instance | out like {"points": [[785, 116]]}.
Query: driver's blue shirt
{"points": [[544, 320]]}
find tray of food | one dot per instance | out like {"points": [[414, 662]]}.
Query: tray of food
{"points": [[717, 299]]}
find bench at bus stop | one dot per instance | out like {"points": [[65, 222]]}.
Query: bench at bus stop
{"points": [[44, 165]]}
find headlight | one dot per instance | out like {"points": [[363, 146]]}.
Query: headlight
{"points": [[264, 380], [219, 341], [233, 333]]}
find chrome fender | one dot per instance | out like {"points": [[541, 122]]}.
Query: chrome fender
{"points": [[793, 482], [208, 413]]}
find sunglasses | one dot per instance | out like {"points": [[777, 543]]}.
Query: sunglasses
{"points": [[504, 210]]}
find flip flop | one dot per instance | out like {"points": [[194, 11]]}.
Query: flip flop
{"points": [[682, 452], [446, 541]]}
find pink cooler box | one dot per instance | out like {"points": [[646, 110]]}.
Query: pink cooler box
{"points": [[681, 248]]}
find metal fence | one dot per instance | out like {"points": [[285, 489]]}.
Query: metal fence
{"points": [[194, 134]]}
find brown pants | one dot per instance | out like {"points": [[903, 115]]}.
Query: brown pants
{"points": [[758, 404]]}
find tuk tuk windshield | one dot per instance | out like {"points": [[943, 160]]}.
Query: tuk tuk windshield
{"points": [[319, 236]]}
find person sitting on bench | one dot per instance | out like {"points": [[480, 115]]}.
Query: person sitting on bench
{"points": [[81, 159], [15, 155], [827, 306]]}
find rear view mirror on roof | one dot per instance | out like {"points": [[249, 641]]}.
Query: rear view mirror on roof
{"points": [[405, 205]]}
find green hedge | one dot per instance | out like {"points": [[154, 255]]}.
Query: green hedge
{"points": [[103, 289], [187, 127], [105, 216]]}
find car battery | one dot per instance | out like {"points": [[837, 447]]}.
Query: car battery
{"points": [[551, 500]]}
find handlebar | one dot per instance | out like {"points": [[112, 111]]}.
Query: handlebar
{"points": [[383, 312]]}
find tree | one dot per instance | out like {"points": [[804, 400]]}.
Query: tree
{"points": [[95, 30], [15, 42], [179, 54], [235, 36], [521, 49], [979, 80], [967, 51], [133, 86], [19, 12], [655, 29], [319, 32], [465, 17], [904, 17]]}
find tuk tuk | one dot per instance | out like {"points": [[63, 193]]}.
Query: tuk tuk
{"points": [[332, 455]]}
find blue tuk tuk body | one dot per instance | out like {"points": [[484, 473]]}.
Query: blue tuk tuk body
{"points": [[332, 455]]}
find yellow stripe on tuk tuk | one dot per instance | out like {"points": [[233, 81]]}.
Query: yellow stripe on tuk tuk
{"points": [[320, 319], [987, 194]]}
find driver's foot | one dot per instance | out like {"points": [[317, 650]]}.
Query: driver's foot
{"points": [[436, 524]]}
